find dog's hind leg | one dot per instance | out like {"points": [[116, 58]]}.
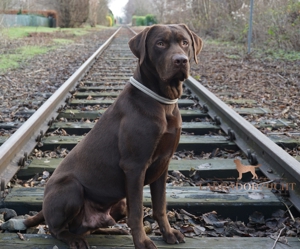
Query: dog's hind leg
{"points": [[34, 220], [240, 175], [62, 208], [119, 210]]}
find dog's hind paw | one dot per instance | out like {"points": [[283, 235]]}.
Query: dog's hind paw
{"points": [[78, 243]]}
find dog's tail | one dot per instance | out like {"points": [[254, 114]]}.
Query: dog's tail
{"points": [[257, 166], [34, 220]]}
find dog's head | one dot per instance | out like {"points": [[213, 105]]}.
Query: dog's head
{"points": [[237, 160], [167, 50]]}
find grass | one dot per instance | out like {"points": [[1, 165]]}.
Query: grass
{"points": [[13, 60], [76, 32], [233, 56], [279, 54], [8, 61], [241, 50], [30, 51], [20, 32], [224, 43], [61, 41]]}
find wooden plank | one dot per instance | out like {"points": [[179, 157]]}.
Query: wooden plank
{"points": [[113, 83], [186, 115], [84, 95], [189, 115], [112, 73], [107, 101], [10, 125], [192, 143], [122, 59], [97, 94], [249, 111], [3, 139], [109, 78], [273, 124], [26, 113], [112, 69], [208, 168], [241, 199], [78, 114], [73, 127], [229, 94], [200, 144], [285, 141], [107, 87], [195, 143], [79, 128], [200, 128], [187, 126], [11, 240], [240, 101]]}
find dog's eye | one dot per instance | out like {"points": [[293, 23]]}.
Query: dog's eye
{"points": [[160, 44], [185, 43]]}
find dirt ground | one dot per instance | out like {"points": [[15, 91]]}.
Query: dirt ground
{"points": [[30, 84]]}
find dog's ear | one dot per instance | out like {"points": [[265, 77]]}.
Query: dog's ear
{"points": [[196, 42], [137, 44]]}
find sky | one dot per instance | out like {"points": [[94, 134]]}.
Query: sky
{"points": [[116, 6]]}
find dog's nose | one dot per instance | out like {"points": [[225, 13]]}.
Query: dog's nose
{"points": [[180, 60]]}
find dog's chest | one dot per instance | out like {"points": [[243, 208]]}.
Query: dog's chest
{"points": [[163, 152], [169, 140]]}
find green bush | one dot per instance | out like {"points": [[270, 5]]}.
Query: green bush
{"points": [[150, 19], [143, 20], [138, 21]]}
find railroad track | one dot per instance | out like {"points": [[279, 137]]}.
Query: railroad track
{"points": [[203, 176]]}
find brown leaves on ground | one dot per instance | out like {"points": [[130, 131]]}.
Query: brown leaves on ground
{"points": [[212, 225], [272, 83]]}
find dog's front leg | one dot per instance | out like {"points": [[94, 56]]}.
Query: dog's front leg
{"points": [[134, 195], [158, 195]]}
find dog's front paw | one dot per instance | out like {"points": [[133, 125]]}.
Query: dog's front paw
{"points": [[173, 237]]}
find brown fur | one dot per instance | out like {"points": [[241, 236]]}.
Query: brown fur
{"points": [[129, 147], [241, 168]]}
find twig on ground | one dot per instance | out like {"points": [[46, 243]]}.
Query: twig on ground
{"points": [[288, 209], [284, 227]]}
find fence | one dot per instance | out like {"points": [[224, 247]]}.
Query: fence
{"points": [[7, 20]]}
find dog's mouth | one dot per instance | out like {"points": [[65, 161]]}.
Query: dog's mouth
{"points": [[180, 75], [172, 87], [183, 76]]}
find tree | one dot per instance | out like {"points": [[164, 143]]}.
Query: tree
{"points": [[138, 8], [98, 12], [160, 8], [73, 13]]}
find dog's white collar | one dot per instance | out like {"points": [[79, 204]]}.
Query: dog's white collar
{"points": [[151, 93]]}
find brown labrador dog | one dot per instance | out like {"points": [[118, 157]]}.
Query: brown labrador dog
{"points": [[129, 147]]}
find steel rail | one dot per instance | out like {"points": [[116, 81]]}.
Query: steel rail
{"points": [[131, 30], [276, 163], [23, 141]]}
